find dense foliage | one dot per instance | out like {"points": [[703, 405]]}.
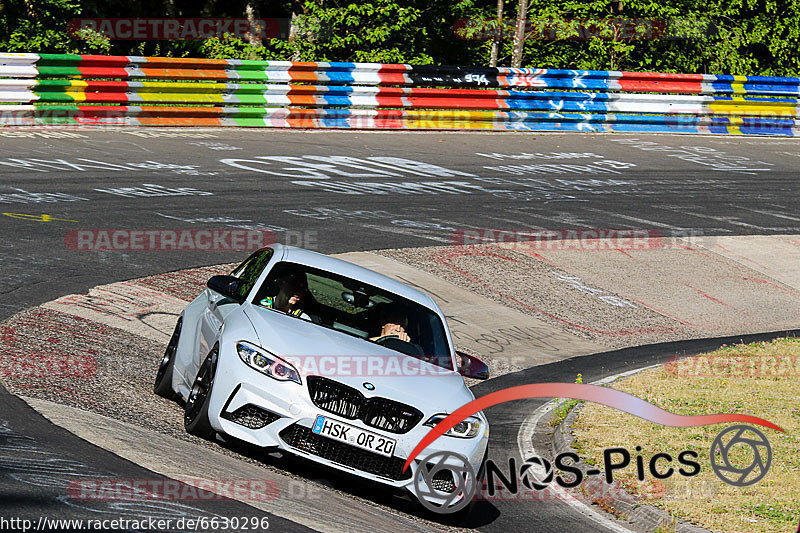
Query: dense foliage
{"points": [[722, 36]]}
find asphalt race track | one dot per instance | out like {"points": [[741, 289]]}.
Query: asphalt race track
{"points": [[721, 186], [339, 192]]}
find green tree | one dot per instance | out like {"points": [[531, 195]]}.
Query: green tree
{"points": [[723, 36], [28, 25]]}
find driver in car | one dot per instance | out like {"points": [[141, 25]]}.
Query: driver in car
{"points": [[393, 322], [292, 293]]}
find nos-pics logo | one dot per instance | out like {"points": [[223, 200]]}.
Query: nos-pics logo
{"points": [[446, 482]]}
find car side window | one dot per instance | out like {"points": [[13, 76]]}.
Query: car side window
{"points": [[251, 269]]}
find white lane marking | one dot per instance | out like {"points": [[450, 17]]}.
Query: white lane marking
{"points": [[733, 221], [522, 225], [770, 213], [560, 217], [634, 219], [421, 234], [455, 225], [527, 449]]}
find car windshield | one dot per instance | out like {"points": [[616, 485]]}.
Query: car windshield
{"points": [[357, 309]]}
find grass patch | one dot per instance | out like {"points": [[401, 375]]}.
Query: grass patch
{"points": [[773, 504], [562, 407], [666, 527], [561, 410]]}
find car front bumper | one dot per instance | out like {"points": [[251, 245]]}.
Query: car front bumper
{"points": [[257, 409]]}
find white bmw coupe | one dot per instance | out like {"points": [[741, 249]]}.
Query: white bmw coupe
{"points": [[326, 360]]}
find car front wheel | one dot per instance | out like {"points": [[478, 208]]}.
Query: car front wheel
{"points": [[195, 418]]}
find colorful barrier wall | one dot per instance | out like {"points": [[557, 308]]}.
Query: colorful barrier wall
{"points": [[41, 89]]}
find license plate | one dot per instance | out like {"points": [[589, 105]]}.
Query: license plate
{"points": [[367, 440]]}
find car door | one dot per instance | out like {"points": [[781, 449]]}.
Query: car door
{"points": [[217, 306]]}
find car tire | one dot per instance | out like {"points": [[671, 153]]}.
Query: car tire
{"points": [[195, 418], [462, 516], [163, 383]]}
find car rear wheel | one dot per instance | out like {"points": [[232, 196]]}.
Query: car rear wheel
{"points": [[163, 384], [195, 418]]}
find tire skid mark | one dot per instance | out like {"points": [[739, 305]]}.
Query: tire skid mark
{"points": [[681, 246], [762, 281], [715, 300], [721, 259], [444, 258], [126, 305], [741, 258], [46, 350], [666, 314], [67, 359]]}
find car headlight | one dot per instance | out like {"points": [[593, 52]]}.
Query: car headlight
{"points": [[466, 429], [266, 363]]}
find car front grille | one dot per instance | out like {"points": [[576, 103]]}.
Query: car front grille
{"points": [[389, 415], [303, 439], [380, 413], [335, 398], [251, 416]]}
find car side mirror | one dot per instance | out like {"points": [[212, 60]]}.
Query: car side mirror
{"points": [[227, 286], [471, 367]]}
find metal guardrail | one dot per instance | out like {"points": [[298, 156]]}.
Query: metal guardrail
{"points": [[41, 89]]}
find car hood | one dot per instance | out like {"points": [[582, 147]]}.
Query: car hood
{"points": [[358, 363]]}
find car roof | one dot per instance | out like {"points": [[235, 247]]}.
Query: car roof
{"points": [[344, 268]]}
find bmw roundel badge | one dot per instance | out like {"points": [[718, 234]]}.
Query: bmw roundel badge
{"points": [[369, 386]]}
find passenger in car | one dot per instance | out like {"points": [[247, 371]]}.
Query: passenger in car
{"points": [[292, 295]]}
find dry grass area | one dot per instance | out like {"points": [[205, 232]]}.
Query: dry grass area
{"points": [[759, 379]]}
